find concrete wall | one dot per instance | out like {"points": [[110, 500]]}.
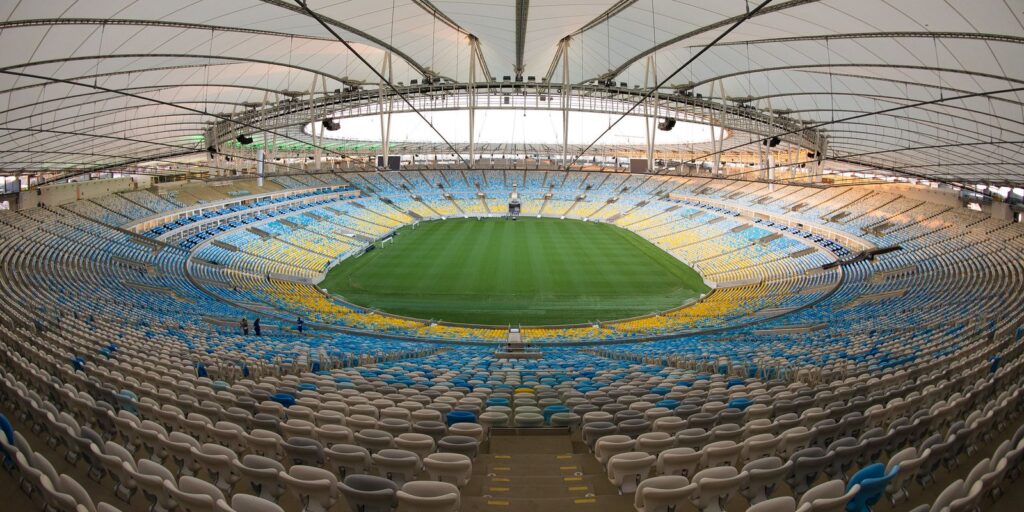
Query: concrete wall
{"points": [[173, 185], [943, 196], [948, 197], [64, 193], [1001, 211], [142, 182]]}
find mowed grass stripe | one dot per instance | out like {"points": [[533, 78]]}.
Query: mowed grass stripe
{"points": [[529, 272]]}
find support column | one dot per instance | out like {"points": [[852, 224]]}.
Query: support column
{"points": [[313, 122], [472, 100], [260, 155], [821, 147], [385, 110], [273, 151], [790, 160], [721, 131], [565, 102], [716, 141], [650, 123], [769, 168], [761, 147], [320, 139], [210, 137]]}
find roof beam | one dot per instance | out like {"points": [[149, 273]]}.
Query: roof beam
{"points": [[174, 147], [474, 45], [948, 179], [522, 13], [949, 128], [352, 30], [707, 28], [47, 22], [184, 150], [69, 156], [426, 5], [860, 134], [855, 65], [118, 73], [179, 136], [141, 88], [1002, 38], [217, 116], [301, 4], [865, 140], [66, 174], [615, 9], [23, 65], [164, 157], [440, 15], [823, 124], [969, 125], [563, 44], [158, 122], [782, 94]]}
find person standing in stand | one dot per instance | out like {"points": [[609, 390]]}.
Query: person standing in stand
{"points": [[256, 327], [298, 323], [244, 324]]}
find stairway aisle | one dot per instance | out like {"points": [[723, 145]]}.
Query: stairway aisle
{"points": [[544, 473]]}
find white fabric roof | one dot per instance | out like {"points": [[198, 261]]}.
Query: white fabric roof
{"points": [[819, 61]]}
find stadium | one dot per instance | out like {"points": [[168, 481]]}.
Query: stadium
{"points": [[269, 255]]}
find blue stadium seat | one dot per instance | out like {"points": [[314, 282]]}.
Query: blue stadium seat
{"points": [[873, 481]]}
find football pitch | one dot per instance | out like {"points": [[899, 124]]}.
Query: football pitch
{"points": [[533, 271]]}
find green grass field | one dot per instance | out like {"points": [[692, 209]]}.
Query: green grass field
{"points": [[529, 272]]}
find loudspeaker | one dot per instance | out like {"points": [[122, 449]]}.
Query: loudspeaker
{"points": [[244, 139], [330, 124], [394, 163], [638, 165], [772, 142], [667, 124]]}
